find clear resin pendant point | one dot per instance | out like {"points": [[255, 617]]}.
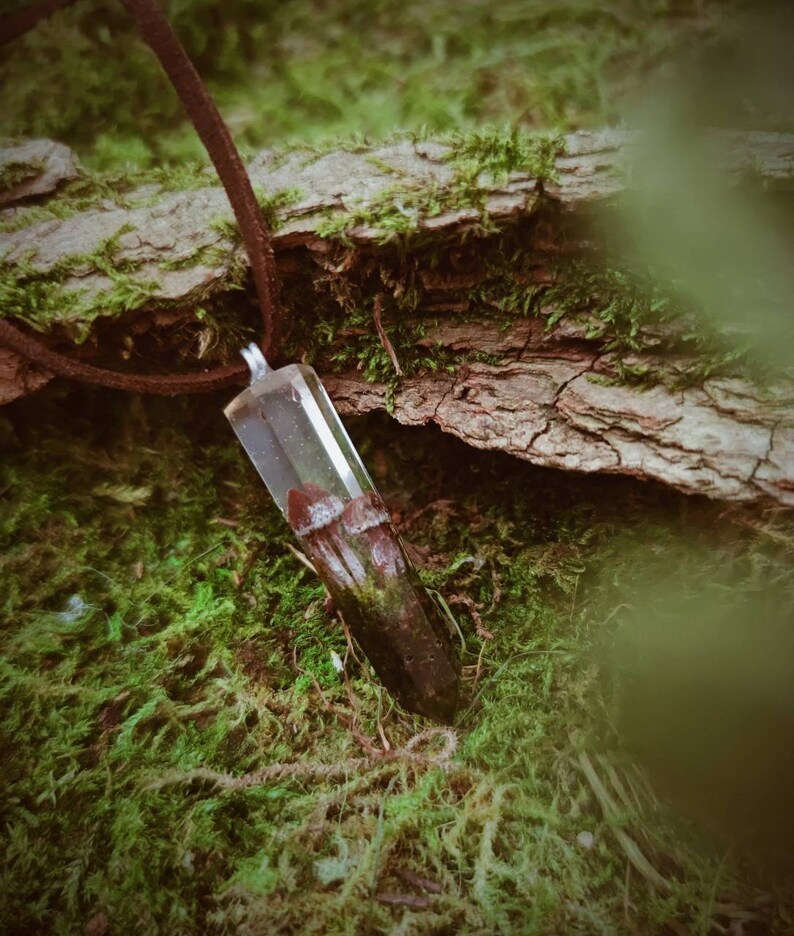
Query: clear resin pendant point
{"points": [[296, 441]]}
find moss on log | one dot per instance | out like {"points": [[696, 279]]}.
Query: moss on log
{"points": [[480, 251]]}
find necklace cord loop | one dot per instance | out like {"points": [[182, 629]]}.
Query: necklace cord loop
{"points": [[158, 34]]}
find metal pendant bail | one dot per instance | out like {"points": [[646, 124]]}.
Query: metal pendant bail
{"points": [[256, 362]]}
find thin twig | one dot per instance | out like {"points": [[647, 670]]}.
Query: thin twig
{"points": [[478, 671], [416, 880], [384, 338], [415, 901], [301, 558], [350, 723], [351, 647], [474, 610], [379, 723], [255, 553]]}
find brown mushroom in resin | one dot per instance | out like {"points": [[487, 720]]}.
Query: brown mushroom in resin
{"points": [[367, 517]]}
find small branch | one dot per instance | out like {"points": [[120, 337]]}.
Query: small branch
{"points": [[384, 338], [473, 608]]}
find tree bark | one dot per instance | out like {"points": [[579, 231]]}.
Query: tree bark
{"points": [[725, 439], [547, 395], [41, 167]]}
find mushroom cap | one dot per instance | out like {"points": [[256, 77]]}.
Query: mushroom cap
{"points": [[315, 491], [364, 512], [311, 509], [298, 515]]}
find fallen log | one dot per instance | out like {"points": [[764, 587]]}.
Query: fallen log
{"points": [[725, 438], [420, 225]]}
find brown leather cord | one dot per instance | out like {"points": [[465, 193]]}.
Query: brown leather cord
{"points": [[162, 40], [38, 353], [160, 37], [16, 25]]}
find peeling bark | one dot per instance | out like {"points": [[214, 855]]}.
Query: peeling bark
{"points": [[182, 225], [44, 165], [551, 400], [547, 404]]}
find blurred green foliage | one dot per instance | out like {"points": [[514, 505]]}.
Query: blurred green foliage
{"points": [[304, 71], [706, 673]]}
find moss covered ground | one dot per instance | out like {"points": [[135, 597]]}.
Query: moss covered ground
{"points": [[179, 754]]}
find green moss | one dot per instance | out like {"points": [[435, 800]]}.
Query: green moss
{"points": [[118, 188], [226, 227], [498, 153], [630, 312], [144, 640], [627, 311], [158, 637], [14, 172], [273, 204], [43, 299], [81, 195], [478, 157], [395, 213]]}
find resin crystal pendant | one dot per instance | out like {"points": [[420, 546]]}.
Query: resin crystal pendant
{"points": [[293, 435]]}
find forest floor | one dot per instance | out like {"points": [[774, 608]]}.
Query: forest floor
{"points": [[178, 752]]}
